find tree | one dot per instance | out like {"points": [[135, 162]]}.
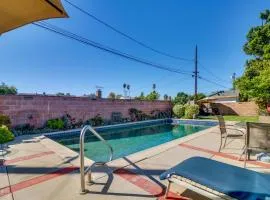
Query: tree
{"points": [[5, 89], [152, 96], [258, 39], [255, 82], [118, 96], [111, 95], [128, 88], [181, 98], [141, 97], [199, 96], [154, 87], [265, 16], [60, 94], [165, 97]]}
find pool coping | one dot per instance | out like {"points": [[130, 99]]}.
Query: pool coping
{"points": [[73, 157]]}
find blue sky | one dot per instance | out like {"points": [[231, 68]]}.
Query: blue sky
{"points": [[35, 60]]}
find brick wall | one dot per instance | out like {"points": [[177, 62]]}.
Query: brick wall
{"points": [[237, 108], [36, 110]]}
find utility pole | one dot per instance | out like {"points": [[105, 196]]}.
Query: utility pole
{"points": [[196, 75], [233, 80]]}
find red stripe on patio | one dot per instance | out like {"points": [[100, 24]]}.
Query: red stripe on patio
{"points": [[224, 155], [29, 157], [33, 181], [148, 186]]}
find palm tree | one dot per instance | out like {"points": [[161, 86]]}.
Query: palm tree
{"points": [[166, 97], [265, 17], [124, 86], [128, 88], [154, 86]]}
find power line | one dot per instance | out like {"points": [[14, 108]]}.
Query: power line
{"points": [[213, 82], [126, 35], [86, 41], [213, 74]]}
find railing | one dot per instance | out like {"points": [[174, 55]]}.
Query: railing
{"points": [[89, 169]]}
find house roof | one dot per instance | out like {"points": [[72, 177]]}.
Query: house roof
{"points": [[221, 95]]}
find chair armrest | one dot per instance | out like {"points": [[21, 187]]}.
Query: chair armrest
{"points": [[235, 125], [243, 133]]}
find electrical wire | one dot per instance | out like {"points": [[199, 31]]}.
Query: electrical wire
{"points": [[126, 35], [213, 82], [213, 74], [85, 41]]}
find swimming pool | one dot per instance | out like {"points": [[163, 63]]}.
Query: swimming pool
{"points": [[128, 139]]}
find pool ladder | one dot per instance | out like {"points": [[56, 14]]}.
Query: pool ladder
{"points": [[88, 171]]}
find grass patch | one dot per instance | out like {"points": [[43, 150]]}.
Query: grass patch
{"points": [[234, 118]]}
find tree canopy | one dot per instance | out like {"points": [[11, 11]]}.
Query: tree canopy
{"points": [[183, 98], [111, 95], [5, 89], [152, 96], [255, 82]]}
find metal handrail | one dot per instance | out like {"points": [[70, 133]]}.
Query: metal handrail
{"points": [[89, 169]]}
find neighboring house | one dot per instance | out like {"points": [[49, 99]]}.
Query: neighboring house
{"points": [[229, 96], [212, 103]]}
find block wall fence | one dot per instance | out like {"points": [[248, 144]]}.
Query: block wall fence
{"points": [[37, 109], [237, 108]]}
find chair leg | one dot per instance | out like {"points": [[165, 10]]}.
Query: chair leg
{"points": [[243, 152], [168, 189], [225, 142], [246, 156], [220, 145]]}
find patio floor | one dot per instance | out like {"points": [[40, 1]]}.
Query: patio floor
{"points": [[43, 169]]}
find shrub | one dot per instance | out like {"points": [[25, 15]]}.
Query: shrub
{"points": [[179, 110], [24, 128], [137, 115], [5, 120], [191, 111], [5, 134], [55, 124], [95, 121]]}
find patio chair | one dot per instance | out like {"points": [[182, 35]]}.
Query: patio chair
{"points": [[235, 132], [217, 180], [258, 139]]}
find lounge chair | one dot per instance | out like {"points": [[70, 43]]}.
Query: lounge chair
{"points": [[217, 180], [258, 139], [229, 131]]}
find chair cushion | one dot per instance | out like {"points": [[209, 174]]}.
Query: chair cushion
{"points": [[236, 182]]}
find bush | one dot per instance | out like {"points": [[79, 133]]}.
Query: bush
{"points": [[191, 111], [24, 128], [179, 110], [5, 135], [95, 121], [137, 115], [55, 124], [5, 120]]}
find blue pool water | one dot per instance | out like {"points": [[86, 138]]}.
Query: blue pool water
{"points": [[128, 140]]}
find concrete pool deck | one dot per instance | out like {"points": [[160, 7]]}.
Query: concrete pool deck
{"points": [[42, 169]]}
